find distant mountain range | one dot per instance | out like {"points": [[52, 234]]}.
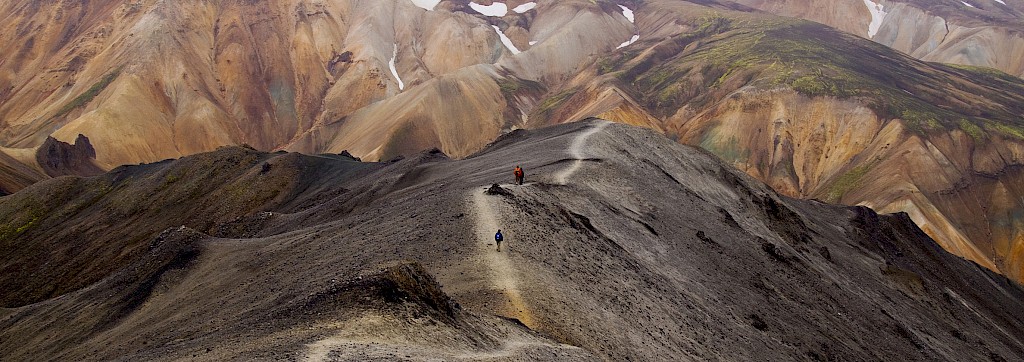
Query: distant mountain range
{"points": [[910, 106], [986, 33]]}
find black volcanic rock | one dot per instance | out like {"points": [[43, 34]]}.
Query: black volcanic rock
{"points": [[59, 158], [345, 153], [496, 189], [657, 252]]}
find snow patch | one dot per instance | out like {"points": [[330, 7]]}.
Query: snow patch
{"points": [[877, 15], [495, 9], [394, 55], [505, 40], [525, 7], [533, 42], [629, 42], [966, 3], [1001, 2], [629, 13], [426, 4]]}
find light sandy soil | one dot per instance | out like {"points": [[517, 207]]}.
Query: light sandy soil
{"points": [[503, 274]]}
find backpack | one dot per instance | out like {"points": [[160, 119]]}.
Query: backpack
{"points": [[498, 236]]}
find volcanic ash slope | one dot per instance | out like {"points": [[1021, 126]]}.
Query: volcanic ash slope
{"points": [[622, 245]]}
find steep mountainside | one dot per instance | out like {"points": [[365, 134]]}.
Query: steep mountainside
{"points": [[14, 174], [150, 80], [986, 33], [623, 245], [817, 113], [813, 112]]}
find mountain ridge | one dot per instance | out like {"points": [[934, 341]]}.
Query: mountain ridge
{"points": [[148, 81], [687, 257]]}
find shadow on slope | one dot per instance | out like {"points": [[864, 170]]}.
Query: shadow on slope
{"points": [[661, 251], [66, 233], [651, 251]]}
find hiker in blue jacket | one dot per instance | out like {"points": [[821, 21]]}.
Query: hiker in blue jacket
{"points": [[498, 238]]}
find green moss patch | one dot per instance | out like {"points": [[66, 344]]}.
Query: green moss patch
{"points": [[725, 53], [87, 96], [847, 182]]}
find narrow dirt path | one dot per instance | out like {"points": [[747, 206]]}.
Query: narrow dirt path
{"points": [[503, 275], [576, 150], [345, 349]]}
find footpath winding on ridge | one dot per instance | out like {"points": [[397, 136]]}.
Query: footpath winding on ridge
{"points": [[576, 150], [502, 273], [502, 284], [652, 251]]}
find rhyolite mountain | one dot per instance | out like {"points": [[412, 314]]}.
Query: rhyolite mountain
{"points": [[987, 33], [622, 245], [813, 111]]}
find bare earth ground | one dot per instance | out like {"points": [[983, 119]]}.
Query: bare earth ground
{"points": [[623, 246]]}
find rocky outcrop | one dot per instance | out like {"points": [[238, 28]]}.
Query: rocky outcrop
{"points": [[58, 158], [21, 167]]}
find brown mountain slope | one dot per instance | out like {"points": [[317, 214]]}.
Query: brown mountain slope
{"points": [[623, 245], [152, 80], [812, 112], [820, 114], [985, 33], [15, 174]]}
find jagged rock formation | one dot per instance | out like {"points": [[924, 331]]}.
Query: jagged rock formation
{"points": [[622, 245], [20, 168], [58, 158]]}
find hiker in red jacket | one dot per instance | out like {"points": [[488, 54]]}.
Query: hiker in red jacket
{"points": [[519, 175]]}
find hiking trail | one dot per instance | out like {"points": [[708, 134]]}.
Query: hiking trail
{"points": [[576, 150], [503, 274]]}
